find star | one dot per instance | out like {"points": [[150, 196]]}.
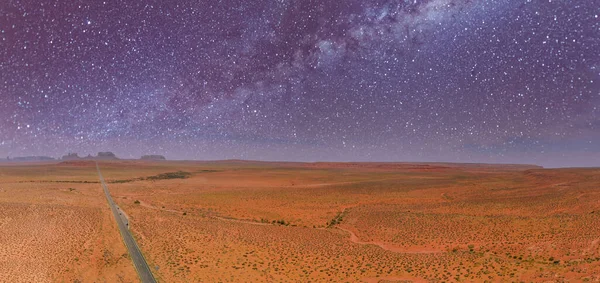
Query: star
{"points": [[436, 80]]}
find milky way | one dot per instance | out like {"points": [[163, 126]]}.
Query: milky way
{"points": [[440, 80]]}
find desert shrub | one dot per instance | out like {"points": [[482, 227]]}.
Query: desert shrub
{"points": [[122, 181], [336, 220], [170, 175]]}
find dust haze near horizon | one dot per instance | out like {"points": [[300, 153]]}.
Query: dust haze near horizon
{"points": [[439, 80]]}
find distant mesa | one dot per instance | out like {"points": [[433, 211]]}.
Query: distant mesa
{"points": [[153, 157], [73, 156], [32, 158], [106, 155], [101, 156]]}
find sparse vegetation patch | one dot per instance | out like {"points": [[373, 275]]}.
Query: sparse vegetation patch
{"points": [[170, 175], [336, 220]]}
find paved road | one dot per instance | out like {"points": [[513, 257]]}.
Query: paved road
{"points": [[134, 251]]}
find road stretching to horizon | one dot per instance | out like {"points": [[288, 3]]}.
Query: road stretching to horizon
{"points": [[141, 266]]}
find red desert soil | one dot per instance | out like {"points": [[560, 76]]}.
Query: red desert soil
{"points": [[240, 221], [57, 232], [389, 247], [234, 221]]}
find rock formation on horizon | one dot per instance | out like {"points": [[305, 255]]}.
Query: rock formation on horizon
{"points": [[101, 156], [106, 155], [153, 157], [32, 158]]}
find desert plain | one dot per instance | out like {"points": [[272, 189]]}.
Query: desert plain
{"points": [[242, 221]]}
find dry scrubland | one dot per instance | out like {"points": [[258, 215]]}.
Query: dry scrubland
{"points": [[58, 231], [292, 222], [241, 221]]}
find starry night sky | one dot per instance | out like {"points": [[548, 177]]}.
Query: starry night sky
{"points": [[307, 80]]}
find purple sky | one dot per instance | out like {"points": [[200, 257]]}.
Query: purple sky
{"points": [[440, 80]]}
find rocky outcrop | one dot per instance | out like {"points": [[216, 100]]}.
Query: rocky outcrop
{"points": [[32, 158], [106, 155], [153, 157], [101, 156]]}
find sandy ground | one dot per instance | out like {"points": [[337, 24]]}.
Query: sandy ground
{"points": [[236, 221], [57, 232], [392, 223]]}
